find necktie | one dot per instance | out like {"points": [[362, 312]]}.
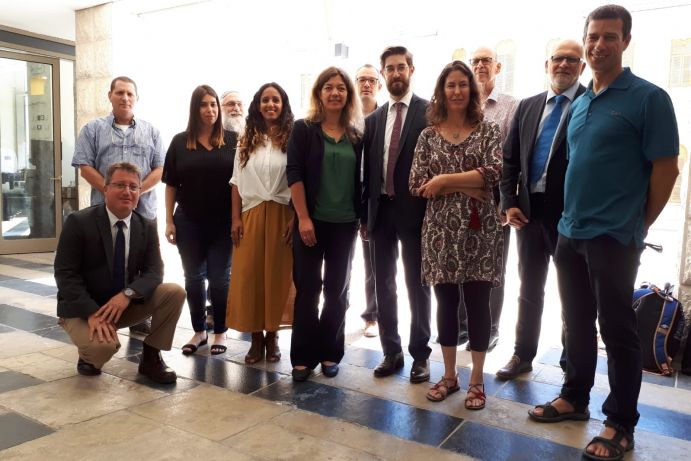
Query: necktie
{"points": [[544, 140], [393, 149], [119, 259]]}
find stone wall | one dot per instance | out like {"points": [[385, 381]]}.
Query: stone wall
{"points": [[94, 71]]}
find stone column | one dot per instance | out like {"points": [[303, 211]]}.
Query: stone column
{"points": [[94, 71], [685, 263]]}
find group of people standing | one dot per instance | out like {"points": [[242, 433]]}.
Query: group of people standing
{"points": [[580, 173]]}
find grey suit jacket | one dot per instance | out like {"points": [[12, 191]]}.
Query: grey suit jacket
{"points": [[410, 210], [84, 261]]}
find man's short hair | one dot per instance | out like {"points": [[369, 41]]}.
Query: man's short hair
{"points": [[124, 166], [226, 93], [367, 66], [122, 78], [396, 50], [610, 12]]}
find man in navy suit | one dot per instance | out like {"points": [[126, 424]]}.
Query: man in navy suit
{"points": [[532, 191], [108, 270], [391, 215]]}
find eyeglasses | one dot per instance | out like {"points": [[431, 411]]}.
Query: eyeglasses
{"points": [[477, 61], [232, 104], [399, 68], [560, 59], [370, 80], [122, 186]]}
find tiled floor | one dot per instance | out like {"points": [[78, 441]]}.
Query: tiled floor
{"points": [[222, 409]]}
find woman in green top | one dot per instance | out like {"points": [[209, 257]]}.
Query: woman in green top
{"points": [[324, 154]]}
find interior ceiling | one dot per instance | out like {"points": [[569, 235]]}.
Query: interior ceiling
{"points": [[55, 18]]}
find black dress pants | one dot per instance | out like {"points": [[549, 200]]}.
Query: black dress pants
{"points": [[596, 279], [370, 313], [320, 337], [536, 243], [387, 232]]}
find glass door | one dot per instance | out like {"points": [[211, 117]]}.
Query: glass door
{"points": [[29, 153]]}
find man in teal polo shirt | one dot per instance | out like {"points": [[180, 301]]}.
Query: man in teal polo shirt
{"points": [[623, 145]]}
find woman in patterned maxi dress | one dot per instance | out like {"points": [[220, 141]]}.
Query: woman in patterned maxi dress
{"points": [[457, 162]]}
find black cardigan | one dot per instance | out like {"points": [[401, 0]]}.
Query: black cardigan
{"points": [[305, 156]]}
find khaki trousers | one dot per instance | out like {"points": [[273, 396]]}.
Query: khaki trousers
{"points": [[163, 307]]}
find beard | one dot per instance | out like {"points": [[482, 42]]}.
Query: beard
{"points": [[398, 87], [236, 124]]}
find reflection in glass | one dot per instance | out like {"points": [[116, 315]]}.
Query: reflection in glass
{"points": [[27, 150]]}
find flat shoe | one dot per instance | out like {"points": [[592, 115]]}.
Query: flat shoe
{"points": [[551, 415], [217, 349], [616, 450], [301, 375], [189, 349], [330, 370], [478, 393]]}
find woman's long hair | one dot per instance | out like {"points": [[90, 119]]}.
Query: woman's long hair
{"points": [[256, 129], [437, 112], [194, 122], [351, 114]]}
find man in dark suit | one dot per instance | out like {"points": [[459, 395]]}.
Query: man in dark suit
{"points": [[532, 191], [391, 214], [108, 270]]}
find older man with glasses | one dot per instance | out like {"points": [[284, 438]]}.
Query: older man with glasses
{"points": [[233, 111], [532, 192], [120, 137]]}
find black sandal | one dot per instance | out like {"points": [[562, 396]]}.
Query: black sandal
{"points": [[551, 415], [217, 349], [613, 445], [190, 348]]}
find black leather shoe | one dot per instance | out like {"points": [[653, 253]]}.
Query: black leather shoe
{"points": [[153, 367], [493, 340], [514, 368], [330, 370], [87, 369], [389, 365], [419, 372], [302, 375], [142, 327]]}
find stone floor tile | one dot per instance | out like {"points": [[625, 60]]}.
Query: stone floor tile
{"points": [[57, 333], [273, 442], [41, 366], [5, 329], [40, 304], [122, 435], [397, 419], [17, 429], [489, 443], [20, 272], [355, 436], [211, 412], [76, 399], [123, 368], [29, 287], [22, 319], [11, 380], [20, 343]]}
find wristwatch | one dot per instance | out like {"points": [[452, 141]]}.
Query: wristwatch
{"points": [[129, 292]]}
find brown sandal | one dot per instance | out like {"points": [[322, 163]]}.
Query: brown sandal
{"points": [[475, 392], [442, 389], [273, 353], [256, 352]]}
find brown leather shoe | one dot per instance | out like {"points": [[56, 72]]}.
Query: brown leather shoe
{"points": [[273, 353], [153, 367], [514, 368], [256, 352]]}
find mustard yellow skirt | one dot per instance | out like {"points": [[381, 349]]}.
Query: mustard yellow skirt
{"points": [[262, 294]]}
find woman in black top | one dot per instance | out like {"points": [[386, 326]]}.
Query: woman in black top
{"points": [[197, 171], [324, 177]]}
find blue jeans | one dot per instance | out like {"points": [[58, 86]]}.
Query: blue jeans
{"points": [[205, 250]]}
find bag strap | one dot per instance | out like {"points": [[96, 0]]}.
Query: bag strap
{"points": [[664, 326]]}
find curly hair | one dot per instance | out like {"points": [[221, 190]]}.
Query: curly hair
{"points": [[256, 129], [351, 115], [437, 110]]}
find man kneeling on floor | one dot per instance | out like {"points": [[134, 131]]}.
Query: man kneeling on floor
{"points": [[108, 270]]}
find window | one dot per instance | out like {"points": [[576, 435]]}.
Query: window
{"points": [[680, 63], [506, 55]]}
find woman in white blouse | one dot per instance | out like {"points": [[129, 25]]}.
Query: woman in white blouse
{"points": [[261, 291]]}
